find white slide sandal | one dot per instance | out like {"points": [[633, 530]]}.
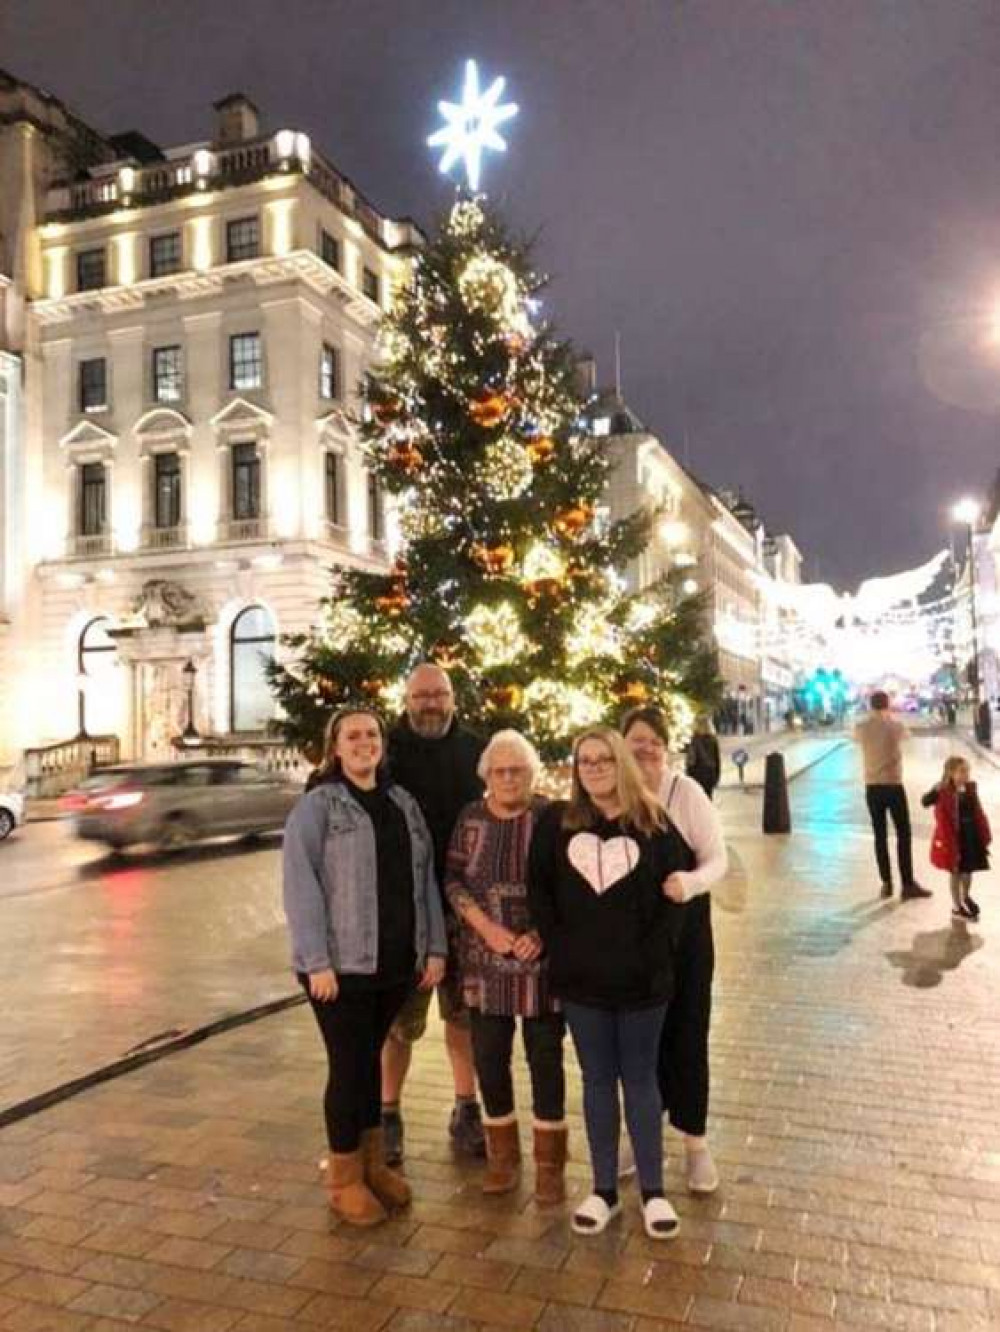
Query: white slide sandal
{"points": [[593, 1215], [660, 1220]]}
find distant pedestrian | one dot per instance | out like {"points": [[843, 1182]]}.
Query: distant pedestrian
{"points": [[703, 758], [683, 1060], [881, 738], [504, 975], [961, 833], [597, 867], [366, 925]]}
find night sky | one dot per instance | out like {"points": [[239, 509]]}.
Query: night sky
{"points": [[790, 211]]}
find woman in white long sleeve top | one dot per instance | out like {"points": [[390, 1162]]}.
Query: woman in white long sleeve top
{"points": [[684, 1044]]}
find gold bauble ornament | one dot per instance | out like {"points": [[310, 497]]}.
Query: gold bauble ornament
{"points": [[488, 409], [405, 455], [571, 522], [495, 560], [503, 698], [541, 448]]}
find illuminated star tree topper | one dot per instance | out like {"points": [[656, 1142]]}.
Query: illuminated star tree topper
{"points": [[471, 125]]}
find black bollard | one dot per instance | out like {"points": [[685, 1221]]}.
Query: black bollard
{"points": [[984, 725], [777, 815]]}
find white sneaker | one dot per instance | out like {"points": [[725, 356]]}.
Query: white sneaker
{"points": [[626, 1158], [702, 1176], [593, 1215], [659, 1219]]}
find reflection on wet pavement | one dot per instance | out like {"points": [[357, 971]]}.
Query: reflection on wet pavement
{"points": [[104, 954]]}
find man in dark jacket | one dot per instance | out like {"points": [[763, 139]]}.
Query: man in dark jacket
{"points": [[435, 759]]}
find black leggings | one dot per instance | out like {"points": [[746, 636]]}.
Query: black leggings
{"points": [[354, 1027], [684, 1041], [492, 1047]]}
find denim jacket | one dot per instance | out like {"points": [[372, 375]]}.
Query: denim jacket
{"points": [[331, 885]]}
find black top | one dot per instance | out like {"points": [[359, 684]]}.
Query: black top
{"points": [[441, 776], [596, 899], [396, 961], [704, 761], [972, 855]]}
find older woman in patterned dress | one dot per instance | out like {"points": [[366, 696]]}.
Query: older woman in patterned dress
{"points": [[504, 975]]}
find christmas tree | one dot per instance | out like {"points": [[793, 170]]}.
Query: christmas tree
{"points": [[508, 573]]}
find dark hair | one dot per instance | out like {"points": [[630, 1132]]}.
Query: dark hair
{"points": [[331, 763], [879, 701], [654, 719]]}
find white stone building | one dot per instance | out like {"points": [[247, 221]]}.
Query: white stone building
{"points": [[182, 335], [721, 550]]}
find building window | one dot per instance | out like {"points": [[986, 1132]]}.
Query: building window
{"points": [[246, 370], [246, 482], [370, 285], [334, 490], [329, 250], [91, 270], [251, 647], [165, 254], [168, 381], [329, 372], [242, 239], [376, 508], [96, 660], [166, 490], [93, 384], [93, 515]]}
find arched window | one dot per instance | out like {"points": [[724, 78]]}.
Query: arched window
{"points": [[97, 656], [251, 645]]}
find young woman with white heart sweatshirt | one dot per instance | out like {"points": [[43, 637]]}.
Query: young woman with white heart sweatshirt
{"points": [[596, 873]]}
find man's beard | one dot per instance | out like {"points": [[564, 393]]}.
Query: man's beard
{"points": [[430, 725]]}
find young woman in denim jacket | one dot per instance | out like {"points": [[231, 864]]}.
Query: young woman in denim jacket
{"points": [[366, 925]]}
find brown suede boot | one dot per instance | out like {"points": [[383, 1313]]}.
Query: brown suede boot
{"points": [[350, 1196], [503, 1155], [388, 1185], [551, 1142]]}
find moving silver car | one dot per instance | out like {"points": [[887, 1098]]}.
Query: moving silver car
{"points": [[172, 805]]}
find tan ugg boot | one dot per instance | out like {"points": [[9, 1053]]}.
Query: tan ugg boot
{"points": [[551, 1142], [388, 1185], [350, 1196], [503, 1155]]}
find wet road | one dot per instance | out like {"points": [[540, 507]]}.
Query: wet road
{"points": [[101, 955]]}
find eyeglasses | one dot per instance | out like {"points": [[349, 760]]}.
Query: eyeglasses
{"points": [[507, 772], [597, 764], [431, 696]]}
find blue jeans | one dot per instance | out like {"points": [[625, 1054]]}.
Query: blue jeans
{"points": [[619, 1046]]}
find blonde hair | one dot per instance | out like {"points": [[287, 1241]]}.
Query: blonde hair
{"points": [[951, 766], [640, 808], [703, 724], [512, 740]]}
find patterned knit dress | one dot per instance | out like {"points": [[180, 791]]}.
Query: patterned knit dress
{"points": [[487, 865]]}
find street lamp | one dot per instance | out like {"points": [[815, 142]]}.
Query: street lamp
{"points": [[190, 734], [81, 706], [967, 511]]}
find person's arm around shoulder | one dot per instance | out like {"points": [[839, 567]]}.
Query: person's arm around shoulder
{"points": [[437, 938], [930, 798], [542, 870], [699, 824], [304, 892]]}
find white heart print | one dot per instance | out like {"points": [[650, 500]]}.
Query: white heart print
{"points": [[602, 863]]}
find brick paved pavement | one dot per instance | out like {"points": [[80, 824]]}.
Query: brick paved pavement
{"points": [[857, 1079]]}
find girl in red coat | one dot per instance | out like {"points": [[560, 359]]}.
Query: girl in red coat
{"points": [[961, 833]]}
